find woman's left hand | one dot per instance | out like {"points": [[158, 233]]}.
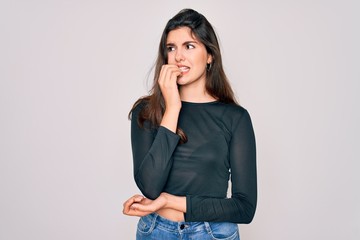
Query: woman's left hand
{"points": [[140, 206]]}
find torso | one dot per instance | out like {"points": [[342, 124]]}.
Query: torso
{"points": [[171, 214]]}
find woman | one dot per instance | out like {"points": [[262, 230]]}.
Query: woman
{"points": [[189, 137]]}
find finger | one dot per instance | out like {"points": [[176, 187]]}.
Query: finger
{"points": [[165, 68], [172, 72], [162, 74], [142, 208], [135, 198], [134, 210], [137, 213], [171, 77], [168, 74], [138, 198]]}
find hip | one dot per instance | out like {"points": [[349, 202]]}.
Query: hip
{"points": [[154, 226]]}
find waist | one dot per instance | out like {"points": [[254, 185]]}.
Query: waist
{"points": [[173, 225], [171, 214], [201, 230]]}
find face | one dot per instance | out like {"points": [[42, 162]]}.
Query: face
{"points": [[189, 54]]}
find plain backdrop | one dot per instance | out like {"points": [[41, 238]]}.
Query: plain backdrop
{"points": [[70, 71]]}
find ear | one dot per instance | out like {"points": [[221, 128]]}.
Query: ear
{"points": [[209, 59]]}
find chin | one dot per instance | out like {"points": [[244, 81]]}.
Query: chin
{"points": [[181, 81]]}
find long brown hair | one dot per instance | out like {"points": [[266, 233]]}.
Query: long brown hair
{"points": [[217, 84]]}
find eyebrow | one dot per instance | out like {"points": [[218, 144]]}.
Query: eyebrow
{"points": [[184, 43]]}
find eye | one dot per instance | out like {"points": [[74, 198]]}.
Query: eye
{"points": [[170, 48], [189, 46]]}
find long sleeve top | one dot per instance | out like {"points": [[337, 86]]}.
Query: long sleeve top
{"points": [[220, 147]]}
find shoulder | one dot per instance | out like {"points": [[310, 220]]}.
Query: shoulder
{"points": [[233, 110], [234, 115], [139, 114], [139, 105]]}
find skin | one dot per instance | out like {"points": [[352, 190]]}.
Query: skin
{"points": [[182, 79]]}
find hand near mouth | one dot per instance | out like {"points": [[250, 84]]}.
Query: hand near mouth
{"points": [[168, 84], [169, 89]]}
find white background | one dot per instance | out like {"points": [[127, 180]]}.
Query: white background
{"points": [[70, 71]]}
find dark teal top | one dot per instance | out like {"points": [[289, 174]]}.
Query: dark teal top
{"points": [[220, 146]]}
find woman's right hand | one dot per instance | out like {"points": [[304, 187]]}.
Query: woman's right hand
{"points": [[169, 89], [168, 86]]}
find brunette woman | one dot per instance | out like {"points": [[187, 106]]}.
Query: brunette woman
{"points": [[189, 138]]}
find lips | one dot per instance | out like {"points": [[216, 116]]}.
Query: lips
{"points": [[184, 69]]}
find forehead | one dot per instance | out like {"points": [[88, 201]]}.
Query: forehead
{"points": [[180, 35]]}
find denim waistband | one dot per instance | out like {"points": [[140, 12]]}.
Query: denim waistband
{"points": [[178, 226], [153, 226]]}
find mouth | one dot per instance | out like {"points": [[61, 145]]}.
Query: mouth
{"points": [[184, 69]]}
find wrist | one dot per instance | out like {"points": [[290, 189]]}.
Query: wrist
{"points": [[170, 119], [166, 197], [174, 202], [173, 108]]}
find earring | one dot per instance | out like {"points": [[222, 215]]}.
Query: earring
{"points": [[208, 67]]}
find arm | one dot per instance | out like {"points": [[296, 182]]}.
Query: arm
{"points": [[152, 156], [240, 208], [152, 152]]}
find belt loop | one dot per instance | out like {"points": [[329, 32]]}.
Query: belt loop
{"points": [[207, 227], [153, 222]]}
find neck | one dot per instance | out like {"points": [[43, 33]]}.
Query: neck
{"points": [[195, 94]]}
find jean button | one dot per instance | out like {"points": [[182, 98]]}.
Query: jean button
{"points": [[182, 226]]}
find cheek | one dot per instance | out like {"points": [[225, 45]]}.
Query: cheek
{"points": [[170, 58], [201, 62], [201, 59]]}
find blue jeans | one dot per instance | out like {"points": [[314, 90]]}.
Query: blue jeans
{"points": [[156, 227]]}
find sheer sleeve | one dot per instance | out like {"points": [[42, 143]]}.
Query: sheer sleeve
{"points": [[240, 208], [152, 155]]}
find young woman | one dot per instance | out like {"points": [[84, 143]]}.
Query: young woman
{"points": [[189, 137]]}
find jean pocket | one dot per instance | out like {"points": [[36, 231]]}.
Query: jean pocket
{"points": [[146, 224], [223, 230]]}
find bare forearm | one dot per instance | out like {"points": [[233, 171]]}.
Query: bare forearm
{"points": [[169, 89], [174, 208], [175, 202], [170, 118]]}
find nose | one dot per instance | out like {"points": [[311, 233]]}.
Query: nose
{"points": [[179, 56]]}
